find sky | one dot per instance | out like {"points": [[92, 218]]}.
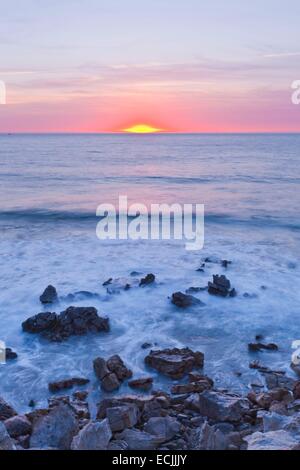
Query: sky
{"points": [[180, 66]]}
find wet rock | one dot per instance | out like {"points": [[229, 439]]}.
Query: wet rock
{"points": [[18, 426], [225, 263], [144, 384], [6, 411], [66, 384], [220, 286], [209, 438], [273, 440], [220, 406], [77, 402], [256, 347], [56, 429], [121, 417], [115, 286], [10, 354], [277, 379], [106, 283], [73, 321], [197, 384], [296, 390], [117, 366], [194, 290], [94, 436], [149, 279], [6, 442], [175, 363], [265, 399], [139, 440], [146, 345], [164, 428], [183, 301], [110, 382], [117, 444], [100, 368], [49, 296], [111, 372]]}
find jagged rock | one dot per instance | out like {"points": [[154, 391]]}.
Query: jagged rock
{"points": [[94, 436], [6, 442], [164, 428], [175, 363], [117, 444], [18, 426], [143, 384], [255, 347], [265, 399], [6, 411], [220, 406], [117, 366], [73, 321], [10, 354], [66, 384], [110, 382], [183, 301], [139, 401], [149, 279], [111, 373], [49, 296], [100, 368], [56, 429], [273, 440], [192, 387], [77, 402], [277, 379], [121, 417], [139, 440], [220, 286], [209, 438]]}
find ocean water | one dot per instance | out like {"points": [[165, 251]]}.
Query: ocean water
{"points": [[50, 187]]}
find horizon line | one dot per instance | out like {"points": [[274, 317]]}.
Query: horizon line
{"points": [[8, 133]]}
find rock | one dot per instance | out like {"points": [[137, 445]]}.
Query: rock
{"points": [[209, 438], [77, 402], [18, 426], [149, 279], [117, 444], [144, 384], [6, 411], [56, 429], [115, 286], [265, 399], [296, 368], [183, 301], [49, 296], [255, 347], [225, 263], [275, 422], [106, 283], [220, 286], [277, 379], [6, 442], [110, 382], [146, 345], [100, 368], [164, 428], [195, 290], [273, 440], [175, 363], [139, 440], [73, 321], [117, 366], [121, 417], [192, 387], [296, 390], [10, 354], [66, 384], [220, 406], [94, 436]]}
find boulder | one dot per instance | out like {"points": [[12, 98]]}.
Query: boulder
{"points": [[73, 321], [49, 296], [149, 279], [18, 426], [10, 354], [220, 406], [110, 382], [117, 366], [296, 390], [6, 442], [165, 428], [111, 372], [183, 300], [273, 440], [56, 429], [220, 286], [94, 436], [121, 417], [6, 410], [209, 438], [117, 444], [144, 384], [77, 402], [66, 384], [100, 368], [139, 440], [175, 363]]}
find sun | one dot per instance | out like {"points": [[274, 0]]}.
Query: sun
{"points": [[142, 129]]}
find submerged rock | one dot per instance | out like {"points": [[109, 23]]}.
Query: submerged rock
{"points": [[94, 436], [183, 300], [49, 296], [175, 363], [6, 410], [149, 279], [66, 384], [10, 354], [255, 347], [73, 321]]}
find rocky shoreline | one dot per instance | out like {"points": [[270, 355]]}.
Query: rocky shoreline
{"points": [[194, 414]]}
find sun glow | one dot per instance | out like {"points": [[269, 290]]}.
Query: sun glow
{"points": [[142, 129]]}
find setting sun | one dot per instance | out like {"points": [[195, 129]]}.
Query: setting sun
{"points": [[142, 129]]}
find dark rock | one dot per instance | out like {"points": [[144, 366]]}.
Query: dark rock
{"points": [[110, 382], [109, 281], [225, 263], [146, 345], [194, 290], [182, 300], [197, 384], [117, 444], [66, 384], [117, 366], [56, 429], [175, 363], [10, 354], [143, 384], [100, 368], [6, 411], [121, 417], [18, 426], [295, 368], [111, 373], [149, 279], [77, 402], [94, 436], [259, 337], [220, 286], [296, 390], [73, 321], [233, 293], [200, 270], [255, 347], [49, 296], [31, 404]]}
